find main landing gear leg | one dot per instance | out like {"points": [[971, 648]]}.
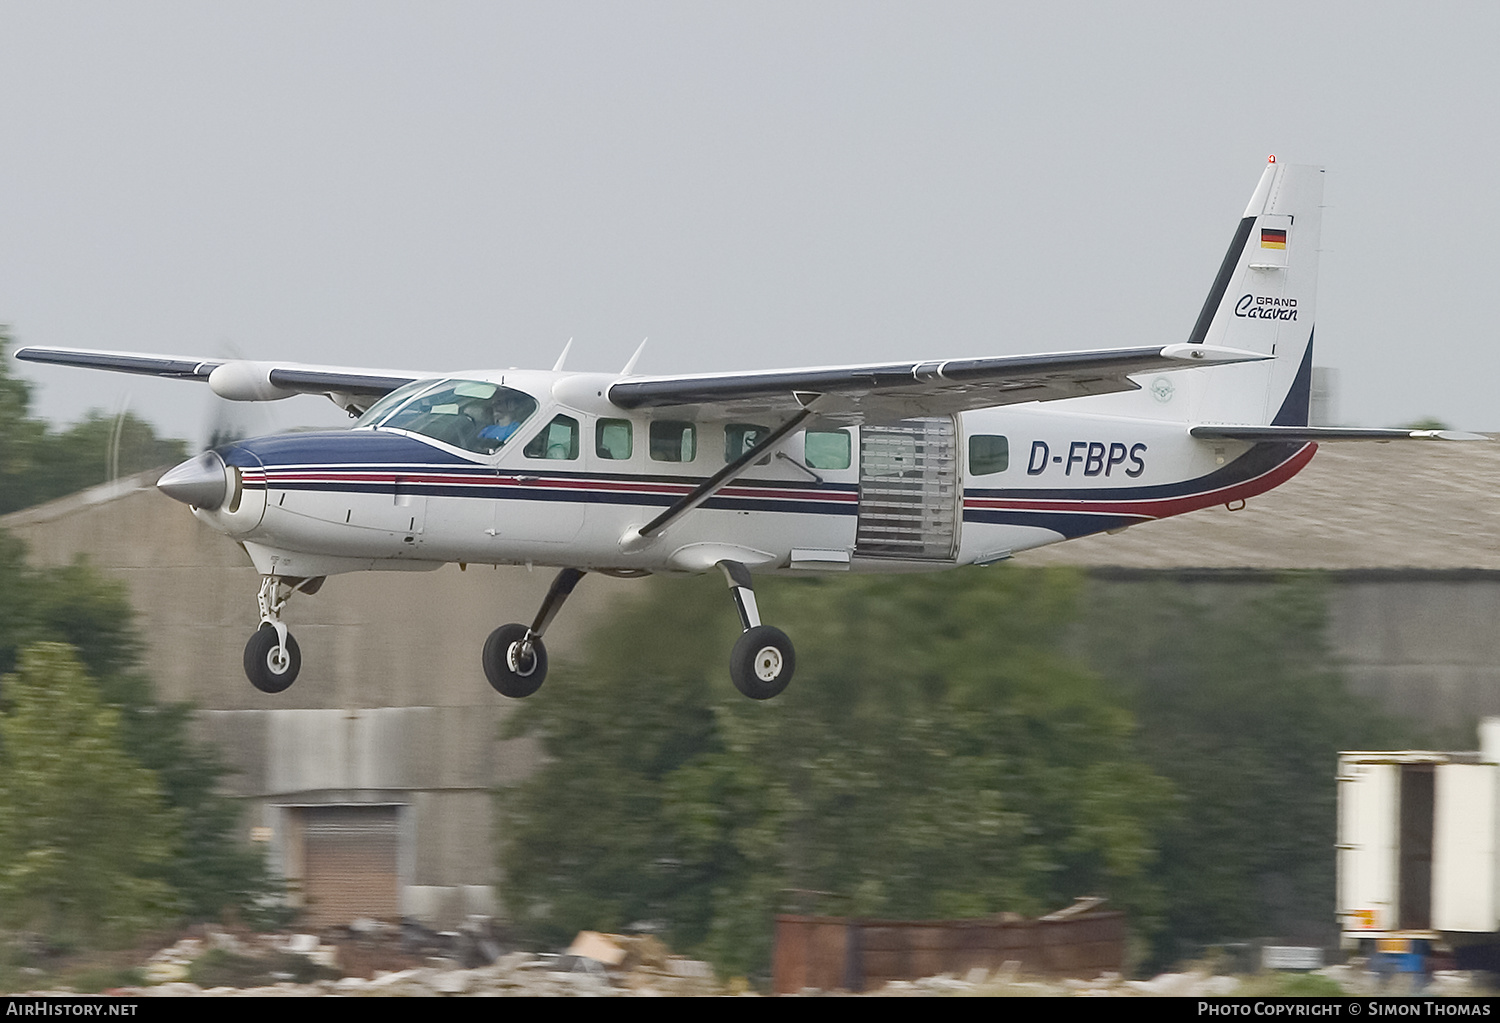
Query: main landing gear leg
{"points": [[763, 659], [515, 661], [272, 657]]}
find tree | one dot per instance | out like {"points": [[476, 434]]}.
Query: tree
{"points": [[936, 757], [20, 436], [99, 448], [210, 870], [1241, 705], [70, 605], [83, 829], [38, 464], [941, 754]]}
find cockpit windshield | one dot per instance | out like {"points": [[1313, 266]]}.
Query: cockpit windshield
{"points": [[471, 414]]}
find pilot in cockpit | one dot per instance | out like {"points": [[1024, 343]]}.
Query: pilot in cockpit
{"points": [[505, 416]]}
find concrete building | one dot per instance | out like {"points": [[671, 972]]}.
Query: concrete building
{"points": [[371, 778]]}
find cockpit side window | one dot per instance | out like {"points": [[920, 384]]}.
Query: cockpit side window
{"points": [[558, 440], [475, 415]]}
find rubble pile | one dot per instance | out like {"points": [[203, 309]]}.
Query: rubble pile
{"points": [[1353, 979], [371, 959], [415, 962]]}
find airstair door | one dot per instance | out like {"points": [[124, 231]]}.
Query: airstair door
{"points": [[909, 490]]}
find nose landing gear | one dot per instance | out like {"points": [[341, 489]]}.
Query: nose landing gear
{"points": [[272, 657]]}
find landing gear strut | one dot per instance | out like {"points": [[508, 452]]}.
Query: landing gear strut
{"points": [[515, 661], [763, 660], [272, 657], [761, 665]]}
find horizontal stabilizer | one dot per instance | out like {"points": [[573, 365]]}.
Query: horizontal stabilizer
{"points": [[1325, 433]]}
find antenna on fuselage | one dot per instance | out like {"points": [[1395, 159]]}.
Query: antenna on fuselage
{"points": [[558, 365], [630, 366]]}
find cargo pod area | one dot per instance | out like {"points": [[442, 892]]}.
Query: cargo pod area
{"points": [[909, 491]]}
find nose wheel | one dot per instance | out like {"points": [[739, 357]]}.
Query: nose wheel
{"points": [[271, 665]]}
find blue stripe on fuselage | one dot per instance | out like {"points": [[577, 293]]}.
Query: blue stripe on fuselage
{"points": [[1258, 461], [344, 448]]}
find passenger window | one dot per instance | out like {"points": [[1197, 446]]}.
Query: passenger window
{"points": [[741, 437], [612, 439], [673, 441], [558, 440], [988, 454], [828, 449]]}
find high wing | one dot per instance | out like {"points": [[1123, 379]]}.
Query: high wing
{"points": [[893, 391], [852, 394], [239, 380]]}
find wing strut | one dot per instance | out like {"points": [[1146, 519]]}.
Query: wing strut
{"points": [[719, 480]]}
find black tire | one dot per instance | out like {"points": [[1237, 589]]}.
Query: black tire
{"points": [[509, 673], [762, 662], [263, 668]]}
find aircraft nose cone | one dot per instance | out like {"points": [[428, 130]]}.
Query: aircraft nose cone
{"points": [[202, 482]]}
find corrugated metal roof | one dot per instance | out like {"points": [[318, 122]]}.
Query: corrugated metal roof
{"points": [[1413, 504]]}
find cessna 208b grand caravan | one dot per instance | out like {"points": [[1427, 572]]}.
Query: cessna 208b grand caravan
{"points": [[893, 467]]}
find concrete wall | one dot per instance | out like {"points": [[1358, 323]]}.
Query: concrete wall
{"points": [[1422, 643]]}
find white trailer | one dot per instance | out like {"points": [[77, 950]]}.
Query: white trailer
{"points": [[1417, 850]]}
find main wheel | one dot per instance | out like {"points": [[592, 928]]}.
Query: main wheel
{"points": [[266, 667], [762, 662], [511, 668]]}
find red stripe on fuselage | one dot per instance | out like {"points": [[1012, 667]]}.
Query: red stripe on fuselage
{"points": [[1155, 508], [481, 481]]}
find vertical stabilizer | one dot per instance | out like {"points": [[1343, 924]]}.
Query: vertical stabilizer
{"points": [[1264, 300]]}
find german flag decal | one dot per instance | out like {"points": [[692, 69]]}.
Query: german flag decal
{"points": [[1272, 238]]}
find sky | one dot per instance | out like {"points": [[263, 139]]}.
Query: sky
{"points": [[441, 186]]}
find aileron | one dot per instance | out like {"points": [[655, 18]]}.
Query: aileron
{"points": [[146, 365]]}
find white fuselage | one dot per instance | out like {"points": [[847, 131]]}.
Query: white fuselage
{"points": [[919, 495]]}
